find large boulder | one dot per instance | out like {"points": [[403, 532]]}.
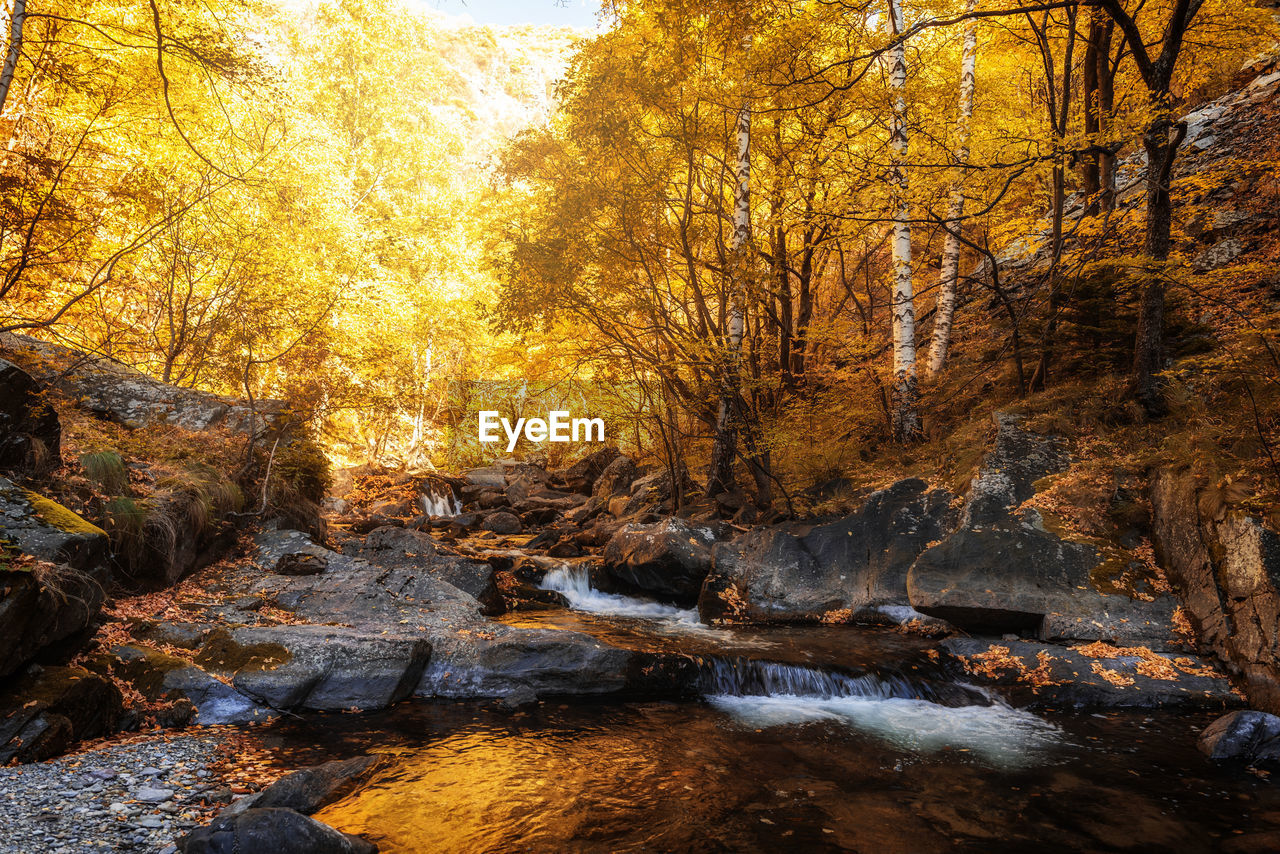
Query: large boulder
{"points": [[805, 572], [1245, 735], [670, 559], [47, 710], [400, 548], [317, 668], [47, 606], [581, 476], [30, 434], [118, 393], [309, 790], [616, 479], [272, 831], [1226, 565], [1002, 570], [159, 676]]}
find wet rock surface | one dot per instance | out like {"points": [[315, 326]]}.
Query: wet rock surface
{"points": [[1243, 736]]}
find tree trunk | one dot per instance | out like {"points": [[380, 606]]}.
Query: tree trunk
{"points": [[16, 20], [905, 392], [1148, 351], [949, 278], [724, 448]]}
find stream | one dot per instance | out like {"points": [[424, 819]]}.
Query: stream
{"points": [[812, 739]]}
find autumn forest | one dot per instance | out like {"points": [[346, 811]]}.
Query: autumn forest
{"points": [[936, 349]]}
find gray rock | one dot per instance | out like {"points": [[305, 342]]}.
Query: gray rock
{"points": [[616, 478], [1033, 673], [1244, 736], [272, 831], [318, 668], [670, 559], [308, 790], [1001, 570], [121, 394], [30, 434], [502, 523], [414, 551], [39, 613], [800, 572], [150, 795]]}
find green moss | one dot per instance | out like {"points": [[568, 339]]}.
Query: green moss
{"points": [[53, 513]]}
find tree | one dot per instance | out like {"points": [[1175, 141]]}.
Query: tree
{"points": [[906, 392], [950, 273], [1160, 141]]}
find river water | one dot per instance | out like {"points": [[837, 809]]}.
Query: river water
{"points": [[813, 739]]}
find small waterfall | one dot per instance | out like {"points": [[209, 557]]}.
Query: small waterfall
{"points": [[574, 584], [439, 500]]}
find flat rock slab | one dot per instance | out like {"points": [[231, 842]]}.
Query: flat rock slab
{"points": [[1033, 673]]}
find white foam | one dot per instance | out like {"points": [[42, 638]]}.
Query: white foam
{"points": [[574, 584], [996, 735]]}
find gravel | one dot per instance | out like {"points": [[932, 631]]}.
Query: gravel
{"points": [[136, 797]]}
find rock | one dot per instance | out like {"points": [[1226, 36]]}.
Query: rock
{"points": [[671, 558], [30, 434], [272, 831], [51, 606], [414, 551], [470, 657], [1019, 577], [492, 476], [1048, 675], [317, 668], [1001, 570], [800, 573], [652, 491], [1245, 735], [118, 393], [300, 564], [584, 512], [1218, 255], [502, 523], [544, 662], [44, 712], [310, 789], [1227, 570], [151, 795], [581, 476], [158, 676], [615, 479]]}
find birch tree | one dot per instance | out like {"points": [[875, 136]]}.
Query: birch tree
{"points": [[906, 392], [722, 452], [950, 274]]}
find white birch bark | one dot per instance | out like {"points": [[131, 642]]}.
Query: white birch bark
{"points": [[950, 275], [905, 417], [724, 448]]}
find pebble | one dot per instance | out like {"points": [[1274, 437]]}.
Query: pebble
{"points": [[107, 800]]}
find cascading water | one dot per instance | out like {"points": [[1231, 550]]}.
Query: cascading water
{"points": [[439, 500], [920, 709], [574, 584]]}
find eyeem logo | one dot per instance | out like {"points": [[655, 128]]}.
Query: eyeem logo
{"points": [[560, 428]]}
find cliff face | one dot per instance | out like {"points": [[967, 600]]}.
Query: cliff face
{"points": [[1226, 568]]}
